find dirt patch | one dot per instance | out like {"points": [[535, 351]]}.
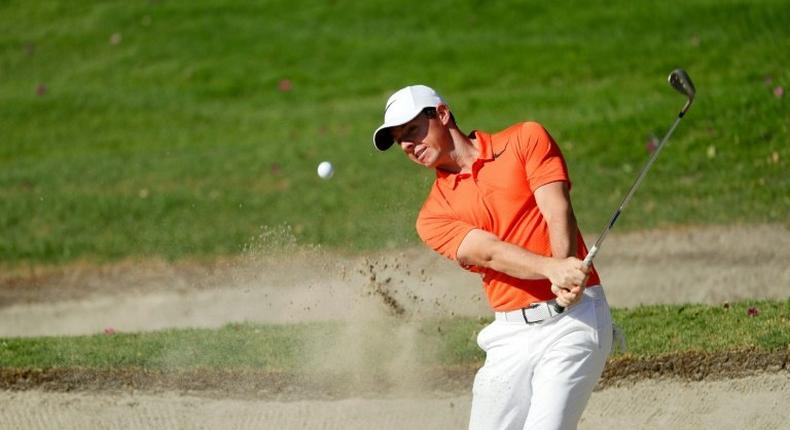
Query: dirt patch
{"points": [[257, 384], [694, 366], [270, 385]]}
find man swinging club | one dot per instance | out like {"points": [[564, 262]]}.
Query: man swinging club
{"points": [[500, 206]]}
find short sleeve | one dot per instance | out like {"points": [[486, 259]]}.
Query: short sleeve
{"points": [[439, 228], [543, 160]]}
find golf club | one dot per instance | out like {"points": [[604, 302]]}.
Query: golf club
{"points": [[680, 81]]}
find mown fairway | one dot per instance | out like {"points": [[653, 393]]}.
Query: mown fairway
{"points": [[182, 129]]}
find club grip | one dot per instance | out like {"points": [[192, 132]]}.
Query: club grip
{"points": [[587, 262]]}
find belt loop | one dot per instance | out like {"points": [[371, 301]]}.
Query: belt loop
{"points": [[524, 314]]}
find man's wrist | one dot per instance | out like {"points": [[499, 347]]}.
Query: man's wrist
{"points": [[545, 266]]}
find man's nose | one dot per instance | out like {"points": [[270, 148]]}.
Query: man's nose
{"points": [[407, 146]]}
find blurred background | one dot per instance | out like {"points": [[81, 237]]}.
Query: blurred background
{"points": [[189, 129]]}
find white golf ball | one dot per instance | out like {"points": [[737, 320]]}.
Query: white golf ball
{"points": [[325, 170]]}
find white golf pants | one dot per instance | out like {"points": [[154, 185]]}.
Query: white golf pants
{"points": [[540, 376]]}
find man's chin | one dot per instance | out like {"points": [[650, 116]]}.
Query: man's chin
{"points": [[429, 162], [425, 163]]}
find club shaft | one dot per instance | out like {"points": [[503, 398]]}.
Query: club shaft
{"points": [[616, 215]]}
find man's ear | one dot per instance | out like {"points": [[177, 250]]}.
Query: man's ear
{"points": [[443, 113]]}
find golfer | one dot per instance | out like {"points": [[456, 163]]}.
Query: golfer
{"points": [[500, 206]]}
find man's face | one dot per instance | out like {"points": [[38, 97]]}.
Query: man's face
{"points": [[418, 140]]}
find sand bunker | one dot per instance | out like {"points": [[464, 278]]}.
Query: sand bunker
{"points": [[695, 265]]}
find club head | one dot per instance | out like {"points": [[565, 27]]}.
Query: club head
{"points": [[681, 81]]}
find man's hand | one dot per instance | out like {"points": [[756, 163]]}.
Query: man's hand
{"points": [[567, 297], [567, 277]]}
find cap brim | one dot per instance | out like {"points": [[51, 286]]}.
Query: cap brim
{"points": [[382, 138]]}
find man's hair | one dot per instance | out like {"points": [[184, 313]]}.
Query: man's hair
{"points": [[430, 112]]}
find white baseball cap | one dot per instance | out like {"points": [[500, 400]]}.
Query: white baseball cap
{"points": [[403, 106]]}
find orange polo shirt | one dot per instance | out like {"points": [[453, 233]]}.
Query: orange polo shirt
{"points": [[498, 197]]}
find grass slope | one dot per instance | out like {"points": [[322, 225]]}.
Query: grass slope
{"points": [[184, 128], [651, 331]]}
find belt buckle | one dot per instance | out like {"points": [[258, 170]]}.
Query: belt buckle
{"points": [[535, 313]]}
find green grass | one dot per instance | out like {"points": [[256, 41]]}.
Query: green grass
{"points": [[651, 330], [661, 329], [176, 141], [235, 345]]}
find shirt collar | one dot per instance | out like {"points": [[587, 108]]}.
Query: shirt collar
{"points": [[485, 146], [486, 154]]}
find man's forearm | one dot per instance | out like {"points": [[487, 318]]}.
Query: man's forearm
{"points": [[518, 262], [562, 233], [554, 202], [483, 249]]}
